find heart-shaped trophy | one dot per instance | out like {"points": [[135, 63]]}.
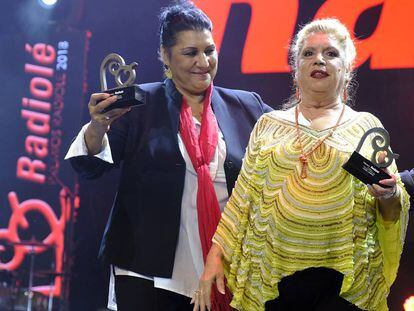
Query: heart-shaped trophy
{"points": [[371, 171], [128, 93]]}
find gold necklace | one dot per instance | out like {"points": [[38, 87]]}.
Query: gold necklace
{"points": [[303, 158]]}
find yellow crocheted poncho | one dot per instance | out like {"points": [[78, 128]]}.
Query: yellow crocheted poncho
{"points": [[277, 223]]}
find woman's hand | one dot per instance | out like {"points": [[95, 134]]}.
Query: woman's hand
{"points": [[382, 192], [97, 104], [213, 273], [100, 121], [389, 204], [391, 183]]}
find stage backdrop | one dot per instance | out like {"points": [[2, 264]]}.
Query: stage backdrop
{"points": [[43, 85], [253, 39]]}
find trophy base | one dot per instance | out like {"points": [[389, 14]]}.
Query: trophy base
{"points": [[129, 96], [365, 170]]}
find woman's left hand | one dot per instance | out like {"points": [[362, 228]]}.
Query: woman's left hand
{"points": [[382, 192], [391, 184], [213, 273]]}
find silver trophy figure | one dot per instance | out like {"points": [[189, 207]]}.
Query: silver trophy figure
{"points": [[371, 171], [128, 93]]}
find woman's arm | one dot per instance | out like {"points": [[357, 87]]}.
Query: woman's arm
{"points": [[213, 273], [90, 141], [100, 122], [389, 202]]}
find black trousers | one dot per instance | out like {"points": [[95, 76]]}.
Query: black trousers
{"points": [[313, 289], [137, 294]]}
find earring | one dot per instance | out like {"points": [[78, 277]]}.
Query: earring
{"points": [[167, 72], [297, 94], [345, 95]]}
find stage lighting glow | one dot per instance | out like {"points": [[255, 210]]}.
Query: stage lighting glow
{"points": [[409, 304], [47, 3]]}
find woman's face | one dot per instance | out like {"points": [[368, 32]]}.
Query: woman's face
{"points": [[321, 66], [192, 60]]}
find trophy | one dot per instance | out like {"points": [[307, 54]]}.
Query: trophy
{"points": [[128, 94], [370, 172]]}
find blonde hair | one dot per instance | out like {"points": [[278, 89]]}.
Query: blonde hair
{"points": [[337, 30], [329, 26]]}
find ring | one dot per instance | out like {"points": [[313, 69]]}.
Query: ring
{"points": [[107, 118], [197, 292]]}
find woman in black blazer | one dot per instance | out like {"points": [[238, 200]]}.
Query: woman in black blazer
{"points": [[167, 200]]}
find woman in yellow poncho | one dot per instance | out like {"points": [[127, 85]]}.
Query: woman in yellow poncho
{"points": [[299, 232]]}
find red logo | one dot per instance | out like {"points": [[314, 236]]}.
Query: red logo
{"points": [[54, 239]]}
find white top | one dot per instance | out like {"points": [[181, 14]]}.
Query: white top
{"points": [[188, 263]]}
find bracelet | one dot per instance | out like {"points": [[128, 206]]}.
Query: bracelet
{"points": [[392, 195]]}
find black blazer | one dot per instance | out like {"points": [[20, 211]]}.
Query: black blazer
{"points": [[407, 177], [142, 231]]}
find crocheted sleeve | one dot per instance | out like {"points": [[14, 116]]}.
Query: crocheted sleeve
{"points": [[234, 220], [391, 235]]}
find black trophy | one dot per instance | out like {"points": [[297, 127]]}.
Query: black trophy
{"points": [[129, 94], [370, 171]]}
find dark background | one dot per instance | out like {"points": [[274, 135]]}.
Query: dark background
{"points": [[130, 28]]}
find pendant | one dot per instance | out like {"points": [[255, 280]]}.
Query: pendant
{"points": [[304, 161]]}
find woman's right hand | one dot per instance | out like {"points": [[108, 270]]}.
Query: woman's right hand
{"points": [[100, 120], [97, 104], [213, 273]]}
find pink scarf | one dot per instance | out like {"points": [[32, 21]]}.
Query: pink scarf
{"points": [[201, 150]]}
